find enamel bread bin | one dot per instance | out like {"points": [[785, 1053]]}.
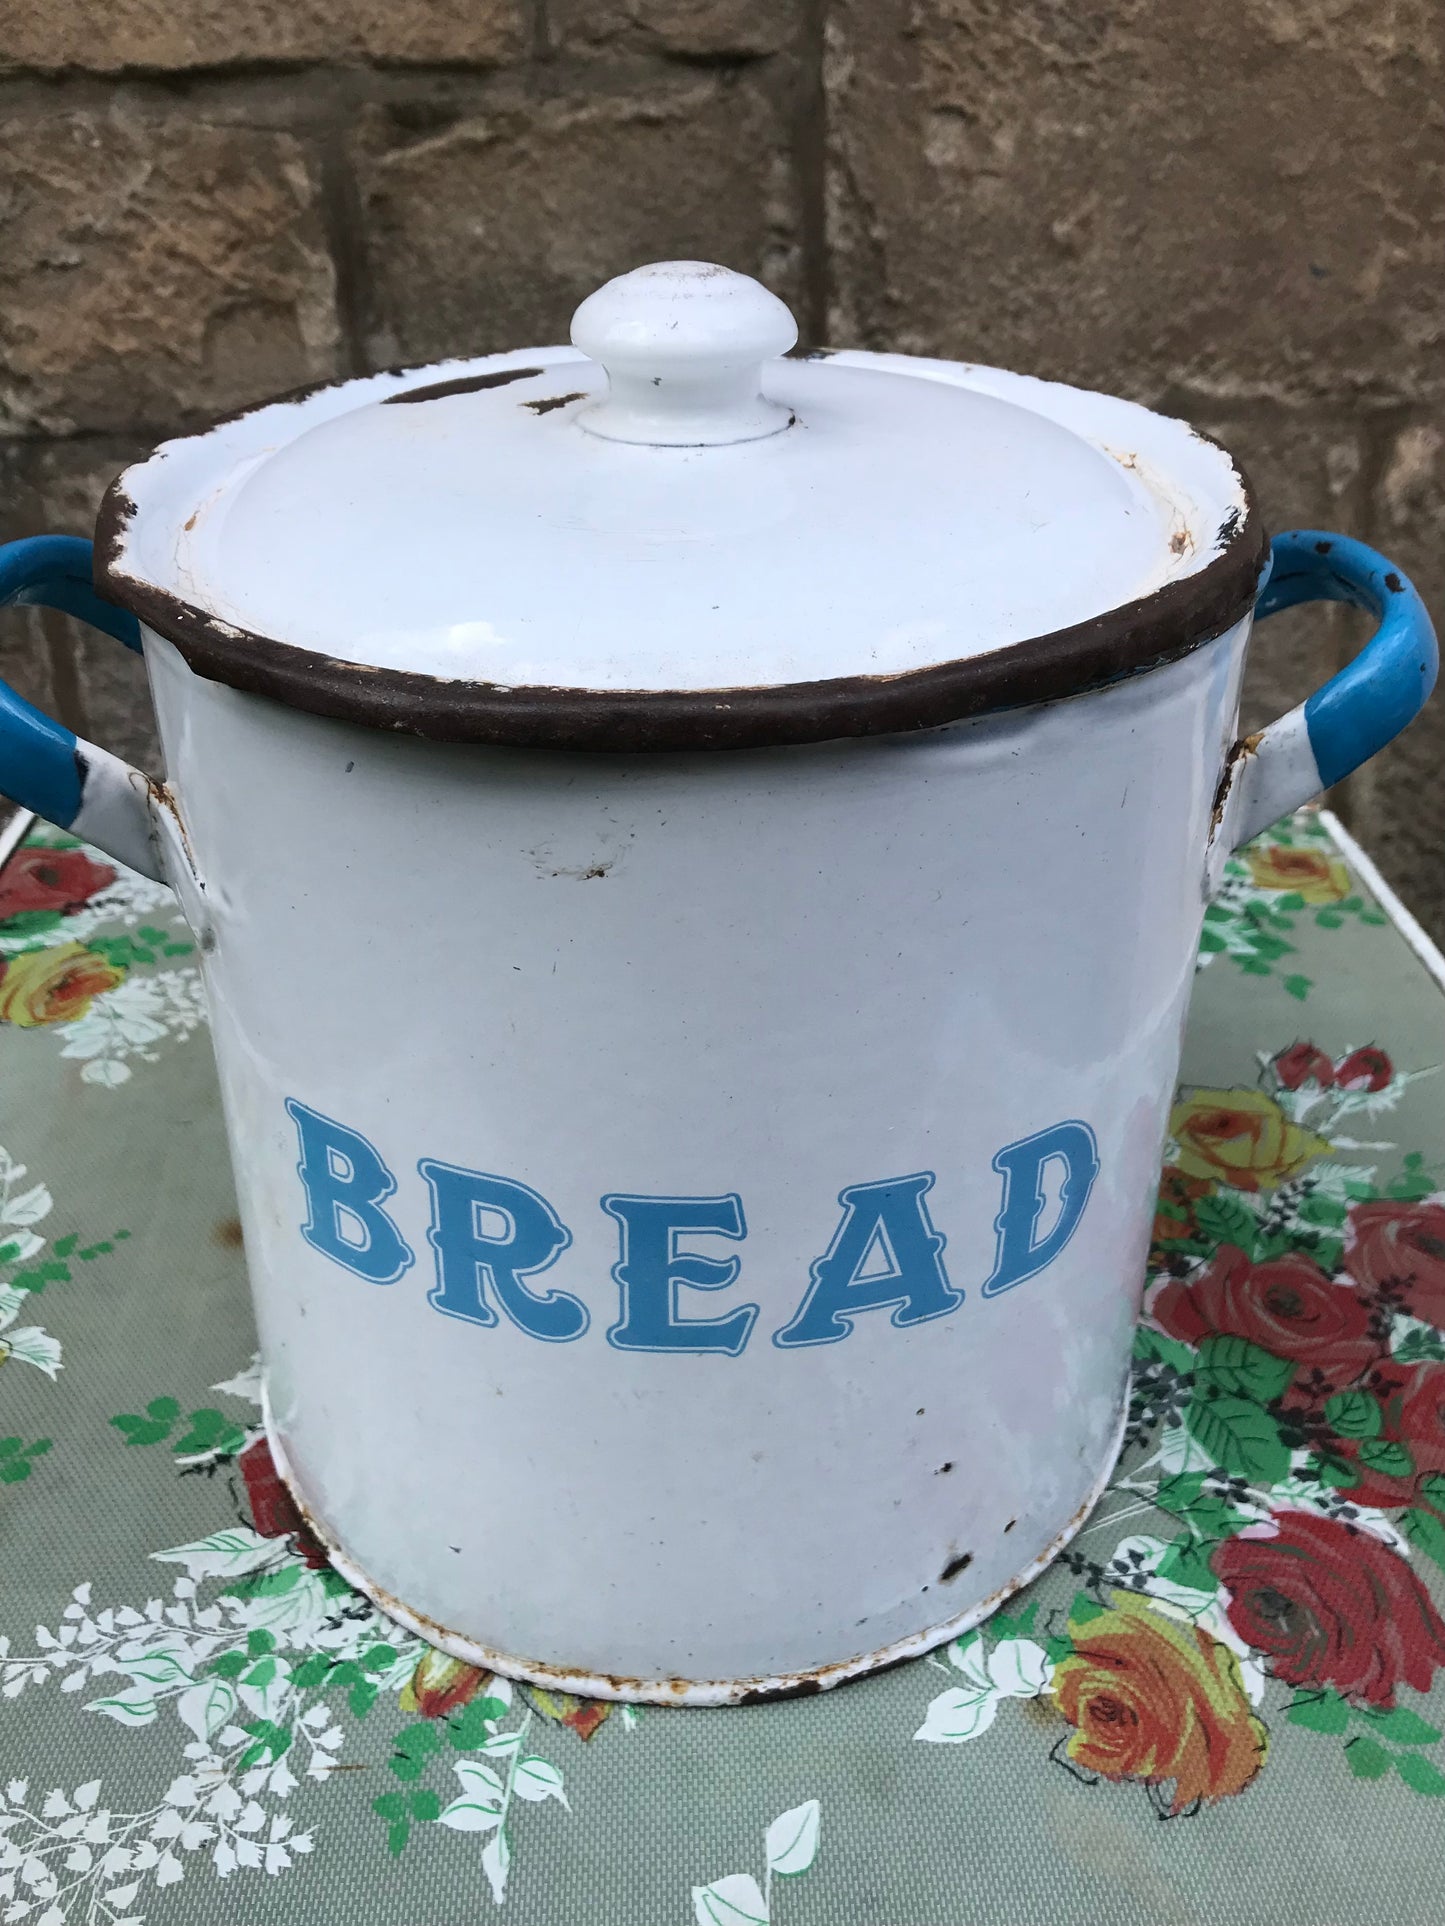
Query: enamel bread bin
{"points": [[750, 818]]}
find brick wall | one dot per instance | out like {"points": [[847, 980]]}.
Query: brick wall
{"points": [[1236, 213]]}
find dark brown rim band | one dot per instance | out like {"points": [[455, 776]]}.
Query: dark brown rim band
{"points": [[1142, 635]]}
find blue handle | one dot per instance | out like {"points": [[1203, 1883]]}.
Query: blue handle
{"points": [[54, 572], [1370, 701], [1357, 711], [43, 765]]}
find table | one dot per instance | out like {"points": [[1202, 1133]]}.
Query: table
{"points": [[1224, 1704]]}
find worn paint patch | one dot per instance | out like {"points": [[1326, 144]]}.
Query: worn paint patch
{"points": [[549, 402], [463, 385]]}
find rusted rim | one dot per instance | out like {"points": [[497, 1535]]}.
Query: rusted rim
{"points": [[758, 1690], [1142, 635]]}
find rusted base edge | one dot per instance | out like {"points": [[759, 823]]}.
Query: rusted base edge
{"points": [[638, 1691]]}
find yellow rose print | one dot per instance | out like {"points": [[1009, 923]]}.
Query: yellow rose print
{"points": [[53, 986], [1241, 1138], [1158, 1701], [1308, 872]]}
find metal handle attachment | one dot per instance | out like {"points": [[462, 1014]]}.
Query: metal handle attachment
{"points": [[1357, 711], [43, 765]]}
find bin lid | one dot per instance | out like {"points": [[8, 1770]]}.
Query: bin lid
{"points": [[677, 533]]}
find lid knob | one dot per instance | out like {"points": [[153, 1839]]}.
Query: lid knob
{"points": [[683, 343]]}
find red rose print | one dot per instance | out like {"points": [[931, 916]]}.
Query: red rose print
{"points": [[1331, 1604], [1366, 1069], [1400, 1248], [1303, 1063], [440, 1684], [1412, 1400], [1287, 1306], [274, 1512], [50, 879]]}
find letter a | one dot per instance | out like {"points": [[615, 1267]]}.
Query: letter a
{"points": [[885, 1223]]}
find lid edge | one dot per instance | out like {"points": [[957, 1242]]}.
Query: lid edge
{"points": [[1170, 622]]}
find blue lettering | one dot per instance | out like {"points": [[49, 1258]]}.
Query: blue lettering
{"points": [[885, 1251], [651, 1271], [524, 1236], [1022, 1164], [345, 1182]]}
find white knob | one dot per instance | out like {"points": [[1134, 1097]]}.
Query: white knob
{"points": [[683, 343]]}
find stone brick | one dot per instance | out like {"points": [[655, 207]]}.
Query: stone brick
{"points": [[695, 29], [1243, 201], [24, 648], [487, 235], [156, 270], [87, 679], [60, 35]]}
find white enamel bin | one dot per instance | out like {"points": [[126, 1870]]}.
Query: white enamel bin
{"points": [[699, 858]]}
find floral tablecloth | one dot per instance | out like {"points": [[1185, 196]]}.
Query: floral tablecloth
{"points": [[1225, 1703]]}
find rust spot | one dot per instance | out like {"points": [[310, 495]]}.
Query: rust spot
{"points": [[549, 402], [955, 1566], [463, 385], [1180, 540], [1246, 746], [1394, 584], [189, 523], [770, 1694], [947, 1465], [228, 1233], [163, 797]]}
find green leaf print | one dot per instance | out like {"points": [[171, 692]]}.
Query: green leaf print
{"points": [[1152, 1347], [1425, 1532], [1186, 1562], [1240, 1436], [271, 1742], [17, 1458], [1401, 1726], [1234, 1365], [1355, 1414], [1320, 1712], [1421, 1774], [1388, 1458], [204, 1429], [1224, 1220], [1367, 1759]]}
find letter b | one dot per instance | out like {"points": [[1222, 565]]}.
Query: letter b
{"points": [[345, 1182]]}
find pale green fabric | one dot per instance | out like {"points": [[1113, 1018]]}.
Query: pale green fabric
{"points": [[114, 1116]]}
